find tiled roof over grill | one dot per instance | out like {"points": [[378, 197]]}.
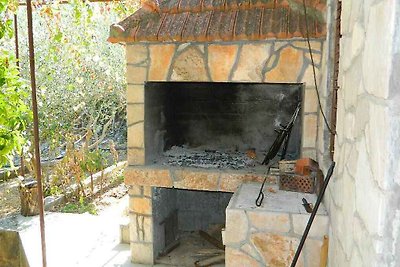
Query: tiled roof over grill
{"points": [[220, 20]]}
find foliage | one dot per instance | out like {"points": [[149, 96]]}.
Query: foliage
{"points": [[15, 114], [81, 77], [94, 161], [67, 172], [74, 167], [81, 206], [117, 178]]}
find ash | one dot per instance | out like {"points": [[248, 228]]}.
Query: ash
{"points": [[206, 159]]}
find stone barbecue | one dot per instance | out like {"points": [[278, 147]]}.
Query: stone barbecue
{"points": [[208, 82]]}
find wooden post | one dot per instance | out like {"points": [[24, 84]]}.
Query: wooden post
{"points": [[28, 192]]}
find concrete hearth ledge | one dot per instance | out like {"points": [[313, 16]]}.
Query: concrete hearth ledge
{"points": [[193, 178], [275, 201]]}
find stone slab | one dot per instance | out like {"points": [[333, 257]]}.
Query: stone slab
{"points": [[192, 178], [275, 201]]}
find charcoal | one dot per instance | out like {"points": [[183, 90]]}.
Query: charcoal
{"points": [[206, 159]]}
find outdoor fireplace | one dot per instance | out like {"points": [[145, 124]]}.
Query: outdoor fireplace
{"points": [[209, 126], [213, 125], [202, 139], [194, 70]]}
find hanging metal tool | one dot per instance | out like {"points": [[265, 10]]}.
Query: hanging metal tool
{"points": [[282, 138], [261, 195], [312, 216]]}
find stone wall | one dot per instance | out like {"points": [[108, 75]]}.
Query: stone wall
{"points": [[362, 199], [263, 61]]}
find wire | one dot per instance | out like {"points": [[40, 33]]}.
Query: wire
{"points": [[313, 67]]}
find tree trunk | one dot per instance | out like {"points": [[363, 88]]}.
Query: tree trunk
{"points": [[29, 198]]}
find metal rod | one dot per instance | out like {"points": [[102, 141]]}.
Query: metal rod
{"points": [[36, 130], [22, 167], [335, 77], [16, 39], [312, 216]]}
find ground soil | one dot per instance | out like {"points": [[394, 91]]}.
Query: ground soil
{"points": [[10, 203], [10, 200]]}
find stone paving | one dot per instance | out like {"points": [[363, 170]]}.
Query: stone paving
{"points": [[74, 239]]}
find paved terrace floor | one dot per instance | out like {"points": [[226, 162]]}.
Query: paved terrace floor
{"points": [[75, 239]]}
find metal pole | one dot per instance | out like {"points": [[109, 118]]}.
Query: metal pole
{"points": [[312, 216], [16, 39], [22, 167], [335, 76], [36, 129]]}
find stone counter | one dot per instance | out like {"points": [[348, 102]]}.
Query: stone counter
{"points": [[269, 235]]}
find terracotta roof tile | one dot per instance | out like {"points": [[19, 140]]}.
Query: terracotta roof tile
{"points": [[227, 25], [266, 24], [170, 6], [312, 26], [296, 24], [240, 25], [262, 3], [281, 22], [253, 23], [193, 6], [196, 26], [177, 26], [213, 5], [221, 25], [202, 20], [148, 29], [163, 34], [274, 23], [320, 29], [237, 4]]}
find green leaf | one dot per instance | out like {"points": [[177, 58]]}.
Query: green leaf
{"points": [[58, 37]]}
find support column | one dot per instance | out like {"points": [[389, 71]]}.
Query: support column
{"points": [[141, 224]]}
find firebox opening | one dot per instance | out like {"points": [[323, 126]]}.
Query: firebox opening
{"points": [[214, 125], [180, 214]]}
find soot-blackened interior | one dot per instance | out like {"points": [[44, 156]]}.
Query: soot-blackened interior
{"points": [[218, 116], [177, 212]]}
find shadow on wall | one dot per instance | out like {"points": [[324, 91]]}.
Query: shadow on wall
{"points": [[11, 251]]}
